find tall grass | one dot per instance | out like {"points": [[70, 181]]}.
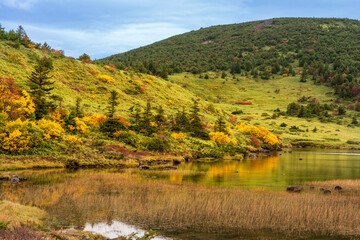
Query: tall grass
{"points": [[183, 207]]}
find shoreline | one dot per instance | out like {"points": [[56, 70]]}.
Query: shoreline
{"points": [[153, 160]]}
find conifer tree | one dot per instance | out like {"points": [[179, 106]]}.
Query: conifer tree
{"points": [[113, 103], [146, 117], [303, 76], [220, 124], [195, 121], [40, 87], [181, 121], [78, 111], [160, 117]]}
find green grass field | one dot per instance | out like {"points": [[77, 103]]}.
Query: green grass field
{"points": [[224, 92]]}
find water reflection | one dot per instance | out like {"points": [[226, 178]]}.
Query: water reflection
{"points": [[117, 229], [275, 171]]}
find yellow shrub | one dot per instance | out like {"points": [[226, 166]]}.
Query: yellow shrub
{"points": [[81, 126], [118, 134], [177, 136], [94, 120], [52, 129], [260, 132], [105, 78], [16, 142], [219, 137], [137, 83], [72, 139], [18, 124], [147, 81]]}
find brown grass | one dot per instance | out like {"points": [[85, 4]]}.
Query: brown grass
{"points": [[93, 197]]}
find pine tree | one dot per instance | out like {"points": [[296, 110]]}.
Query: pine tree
{"points": [[146, 117], [113, 103], [164, 72], [160, 117], [181, 121], [303, 76], [20, 32], [195, 121], [220, 124], [78, 111], [2, 32], [40, 87]]}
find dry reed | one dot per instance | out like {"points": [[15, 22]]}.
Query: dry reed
{"points": [[93, 197]]}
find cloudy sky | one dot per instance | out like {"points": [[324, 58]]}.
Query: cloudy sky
{"points": [[105, 27]]}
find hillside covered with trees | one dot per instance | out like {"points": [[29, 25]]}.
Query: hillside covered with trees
{"points": [[325, 51]]}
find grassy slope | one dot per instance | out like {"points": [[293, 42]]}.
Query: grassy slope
{"points": [[262, 94], [73, 79]]}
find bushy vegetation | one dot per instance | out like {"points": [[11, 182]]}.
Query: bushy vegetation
{"points": [[318, 49]]}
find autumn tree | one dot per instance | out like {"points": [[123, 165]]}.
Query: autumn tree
{"points": [[41, 86]]}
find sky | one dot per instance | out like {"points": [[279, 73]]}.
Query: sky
{"points": [[102, 28]]}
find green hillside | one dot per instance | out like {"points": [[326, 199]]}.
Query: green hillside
{"points": [[74, 79], [213, 114], [326, 49]]}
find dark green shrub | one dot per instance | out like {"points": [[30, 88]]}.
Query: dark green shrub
{"points": [[112, 125], [156, 144]]}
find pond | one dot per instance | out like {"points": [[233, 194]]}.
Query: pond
{"points": [[113, 202]]}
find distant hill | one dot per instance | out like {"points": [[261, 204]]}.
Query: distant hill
{"points": [[327, 48]]}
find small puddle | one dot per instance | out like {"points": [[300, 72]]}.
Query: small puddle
{"points": [[117, 229]]}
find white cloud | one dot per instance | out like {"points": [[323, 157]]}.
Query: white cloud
{"points": [[100, 44], [20, 4]]}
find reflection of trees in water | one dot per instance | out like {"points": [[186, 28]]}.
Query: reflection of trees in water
{"points": [[229, 170]]}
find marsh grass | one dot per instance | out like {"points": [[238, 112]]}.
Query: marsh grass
{"points": [[92, 197], [19, 215]]}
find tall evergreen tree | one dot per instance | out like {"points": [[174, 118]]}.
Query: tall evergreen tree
{"points": [[220, 125], [195, 121], [113, 103], [146, 117], [78, 111], [40, 87], [181, 121], [160, 117], [20, 32], [303, 76]]}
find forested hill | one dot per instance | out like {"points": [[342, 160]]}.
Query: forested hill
{"points": [[327, 48]]}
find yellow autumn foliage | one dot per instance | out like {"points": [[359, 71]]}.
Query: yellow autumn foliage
{"points": [[260, 132], [105, 78], [94, 120], [72, 139], [81, 126], [219, 137], [16, 142], [52, 129], [177, 136], [15, 104]]}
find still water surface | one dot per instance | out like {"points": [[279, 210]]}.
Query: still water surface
{"points": [[275, 172]]}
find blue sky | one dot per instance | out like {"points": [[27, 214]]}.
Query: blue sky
{"points": [[104, 27]]}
